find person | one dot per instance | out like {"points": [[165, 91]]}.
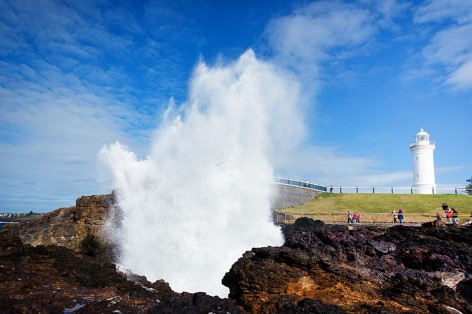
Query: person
{"points": [[394, 214], [349, 218], [448, 215], [455, 216], [438, 216], [400, 216], [331, 189], [356, 218], [445, 207]]}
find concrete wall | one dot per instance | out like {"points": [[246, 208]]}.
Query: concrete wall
{"points": [[288, 195]]}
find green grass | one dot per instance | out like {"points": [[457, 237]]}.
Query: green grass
{"points": [[335, 203]]}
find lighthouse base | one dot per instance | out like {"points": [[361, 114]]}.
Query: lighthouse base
{"points": [[423, 189]]}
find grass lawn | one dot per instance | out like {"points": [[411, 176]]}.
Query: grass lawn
{"points": [[417, 207]]}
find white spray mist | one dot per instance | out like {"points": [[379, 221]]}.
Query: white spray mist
{"points": [[202, 197]]}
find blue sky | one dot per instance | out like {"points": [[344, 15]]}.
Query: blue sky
{"points": [[78, 75]]}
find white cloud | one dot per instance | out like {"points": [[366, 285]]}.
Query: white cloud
{"points": [[310, 40], [449, 48], [461, 78], [68, 86], [320, 31], [438, 10], [320, 26], [50, 138]]}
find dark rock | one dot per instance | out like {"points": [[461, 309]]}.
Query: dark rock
{"points": [[465, 289], [382, 246], [62, 261], [436, 223], [309, 306], [366, 270], [188, 303], [305, 222], [49, 279]]}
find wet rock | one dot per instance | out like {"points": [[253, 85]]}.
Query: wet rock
{"points": [[62, 263], [365, 270], [309, 306], [382, 246], [51, 279], [194, 303]]}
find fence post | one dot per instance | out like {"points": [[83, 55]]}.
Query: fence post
{"points": [[357, 190], [456, 190], [392, 189], [340, 189], [411, 189], [373, 190]]}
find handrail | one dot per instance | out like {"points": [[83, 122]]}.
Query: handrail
{"points": [[399, 190], [370, 189], [303, 184]]}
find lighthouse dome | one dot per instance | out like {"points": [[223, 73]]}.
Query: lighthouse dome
{"points": [[422, 136]]}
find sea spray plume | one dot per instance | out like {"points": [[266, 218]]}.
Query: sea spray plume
{"points": [[202, 197]]}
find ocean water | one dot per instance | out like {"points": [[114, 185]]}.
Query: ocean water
{"points": [[202, 196]]}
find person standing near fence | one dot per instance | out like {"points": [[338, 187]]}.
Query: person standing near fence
{"points": [[349, 217], [444, 207], [400, 216], [394, 214], [448, 216], [455, 216]]}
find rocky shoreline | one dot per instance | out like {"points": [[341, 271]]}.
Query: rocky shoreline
{"points": [[61, 264]]}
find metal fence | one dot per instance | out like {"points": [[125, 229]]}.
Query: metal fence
{"points": [[398, 190], [371, 189], [304, 184]]}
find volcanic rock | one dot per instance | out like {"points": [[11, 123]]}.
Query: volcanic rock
{"points": [[330, 269], [51, 279], [54, 279], [62, 263]]}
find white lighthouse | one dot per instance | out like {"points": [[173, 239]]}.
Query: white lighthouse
{"points": [[423, 164]]}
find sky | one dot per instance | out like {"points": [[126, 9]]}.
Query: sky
{"points": [[78, 75]]}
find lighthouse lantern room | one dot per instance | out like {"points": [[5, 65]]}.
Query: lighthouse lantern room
{"points": [[423, 164]]}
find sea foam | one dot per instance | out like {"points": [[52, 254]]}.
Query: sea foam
{"points": [[203, 196]]}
